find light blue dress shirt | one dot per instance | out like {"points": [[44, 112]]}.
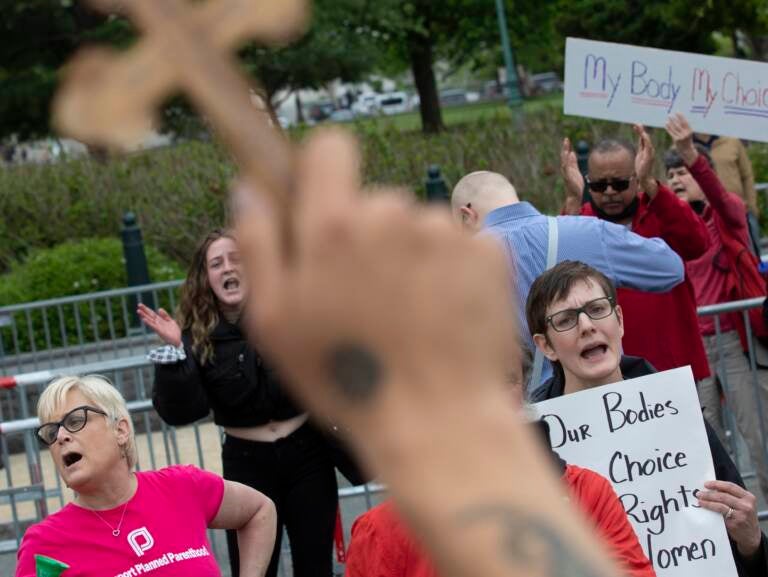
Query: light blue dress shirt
{"points": [[628, 259]]}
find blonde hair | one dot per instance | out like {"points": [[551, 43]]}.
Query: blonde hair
{"points": [[99, 391]]}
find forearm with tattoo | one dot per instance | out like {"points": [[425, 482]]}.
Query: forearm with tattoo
{"points": [[529, 543]]}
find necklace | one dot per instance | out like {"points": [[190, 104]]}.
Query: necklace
{"points": [[115, 530]]}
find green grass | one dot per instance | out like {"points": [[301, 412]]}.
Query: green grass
{"points": [[453, 115]]}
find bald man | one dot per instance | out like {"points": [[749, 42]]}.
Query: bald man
{"points": [[487, 201]]}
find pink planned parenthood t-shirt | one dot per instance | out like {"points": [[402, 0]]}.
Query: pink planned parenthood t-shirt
{"points": [[163, 532]]}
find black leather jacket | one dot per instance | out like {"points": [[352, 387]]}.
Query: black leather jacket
{"points": [[235, 384]]}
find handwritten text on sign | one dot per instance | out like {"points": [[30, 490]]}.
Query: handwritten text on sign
{"points": [[632, 84], [647, 437]]}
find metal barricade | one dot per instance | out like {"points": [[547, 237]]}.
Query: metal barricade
{"points": [[741, 308], [78, 329]]}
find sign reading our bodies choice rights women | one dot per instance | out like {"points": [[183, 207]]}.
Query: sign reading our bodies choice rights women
{"points": [[633, 84], [647, 437]]}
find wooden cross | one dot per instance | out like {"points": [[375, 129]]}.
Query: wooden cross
{"points": [[111, 99]]}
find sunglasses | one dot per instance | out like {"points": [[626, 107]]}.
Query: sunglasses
{"points": [[617, 184], [74, 421]]}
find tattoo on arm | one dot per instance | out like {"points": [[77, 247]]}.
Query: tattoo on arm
{"points": [[530, 542], [356, 372]]}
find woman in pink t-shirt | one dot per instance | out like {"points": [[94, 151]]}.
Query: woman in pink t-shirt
{"points": [[124, 523]]}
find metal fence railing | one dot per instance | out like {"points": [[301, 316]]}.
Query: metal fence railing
{"points": [[78, 329]]}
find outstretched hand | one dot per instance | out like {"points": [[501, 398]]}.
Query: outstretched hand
{"points": [[682, 136], [644, 159], [388, 320], [161, 323], [372, 294], [572, 178]]}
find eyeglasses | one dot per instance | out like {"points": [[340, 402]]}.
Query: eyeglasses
{"points": [[73, 422], [595, 309], [617, 184]]}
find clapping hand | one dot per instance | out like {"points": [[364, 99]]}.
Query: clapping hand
{"points": [[161, 323], [644, 159], [572, 178]]}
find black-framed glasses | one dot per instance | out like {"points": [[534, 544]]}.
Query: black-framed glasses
{"points": [[617, 184], [73, 422], [595, 309]]}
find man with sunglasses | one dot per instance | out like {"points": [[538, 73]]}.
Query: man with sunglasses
{"points": [[660, 327]]}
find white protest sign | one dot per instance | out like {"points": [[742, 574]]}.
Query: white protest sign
{"points": [[627, 83], [647, 437]]}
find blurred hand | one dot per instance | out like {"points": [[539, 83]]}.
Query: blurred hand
{"points": [[739, 509], [682, 136], [161, 323], [572, 177], [644, 159], [364, 314]]}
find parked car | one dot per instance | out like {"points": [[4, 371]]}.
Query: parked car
{"points": [[366, 104], [320, 111], [342, 115], [453, 97], [546, 83], [393, 103]]}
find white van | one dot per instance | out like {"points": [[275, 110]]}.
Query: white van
{"points": [[393, 102], [367, 104]]}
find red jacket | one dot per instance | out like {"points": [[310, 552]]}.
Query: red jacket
{"points": [[663, 327], [382, 547]]}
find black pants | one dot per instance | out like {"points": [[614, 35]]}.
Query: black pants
{"points": [[297, 474]]}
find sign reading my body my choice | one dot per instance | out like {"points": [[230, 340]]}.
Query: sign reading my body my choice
{"points": [[627, 83], [647, 437]]}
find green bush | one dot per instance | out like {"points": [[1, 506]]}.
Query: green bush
{"points": [[72, 268], [179, 192]]}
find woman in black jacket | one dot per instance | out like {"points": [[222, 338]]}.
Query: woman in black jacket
{"points": [[208, 365]]}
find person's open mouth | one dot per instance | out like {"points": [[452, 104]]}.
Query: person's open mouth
{"points": [[232, 284], [594, 352], [71, 458]]}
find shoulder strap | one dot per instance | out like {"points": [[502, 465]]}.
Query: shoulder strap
{"points": [[538, 358]]}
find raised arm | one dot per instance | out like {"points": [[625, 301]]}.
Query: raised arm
{"points": [[721, 201], [573, 180], [637, 262], [392, 323], [680, 227], [178, 395]]}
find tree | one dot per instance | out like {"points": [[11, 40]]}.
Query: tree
{"points": [[38, 37], [419, 33], [670, 24], [338, 45]]}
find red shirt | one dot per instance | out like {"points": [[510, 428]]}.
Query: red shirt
{"points": [[662, 327], [709, 273], [382, 547]]}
